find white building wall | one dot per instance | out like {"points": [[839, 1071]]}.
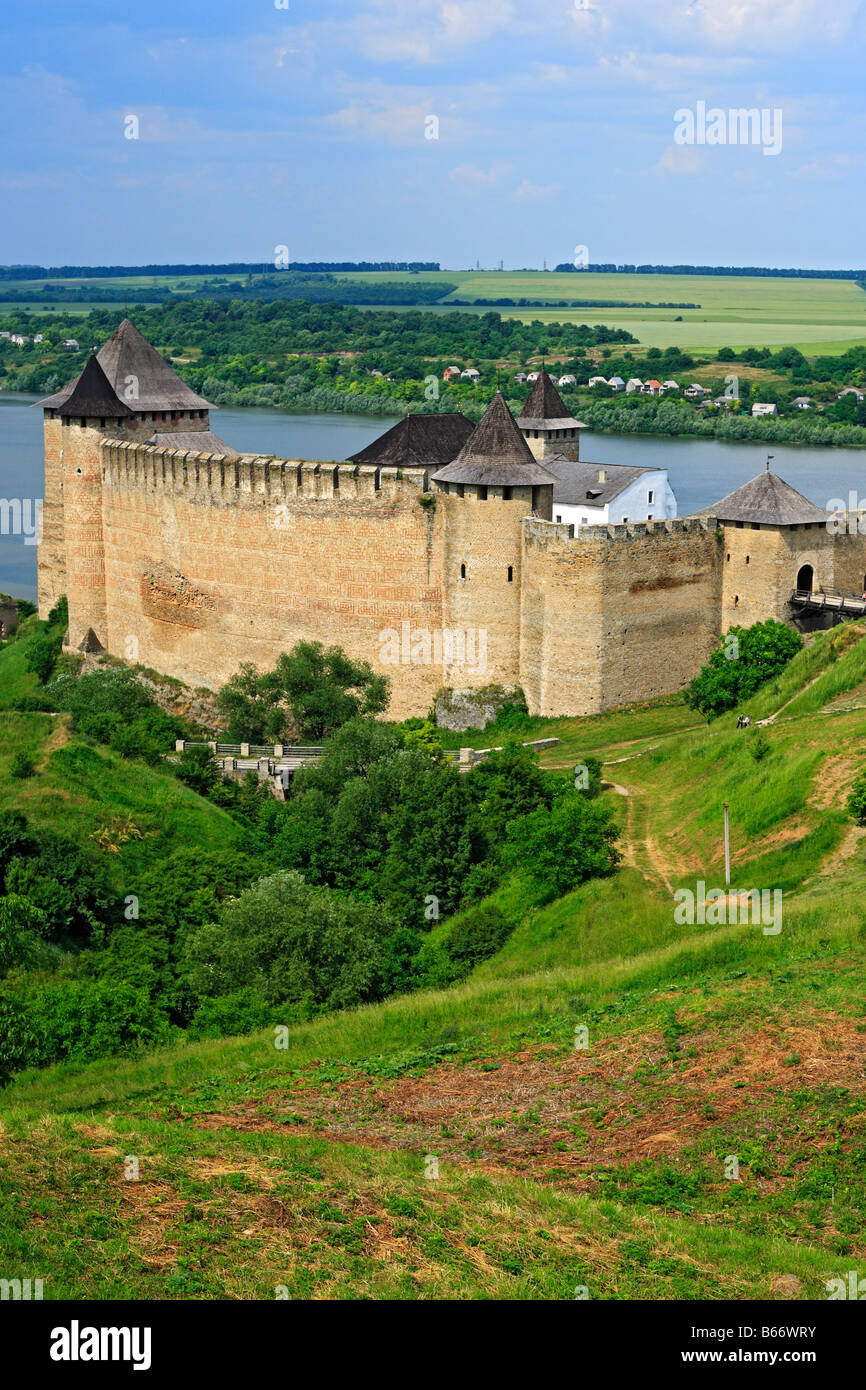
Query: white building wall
{"points": [[632, 504]]}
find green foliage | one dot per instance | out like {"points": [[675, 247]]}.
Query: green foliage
{"points": [[564, 845], [857, 798], [42, 654], [21, 926], [477, 934], [242, 1011], [188, 889], [111, 705], [743, 661], [80, 1019], [22, 765], [311, 692], [293, 944]]}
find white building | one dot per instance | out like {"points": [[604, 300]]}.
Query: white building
{"points": [[634, 383], [567, 380], [617, 383], [592, 494], [598, 381], [764, 408], [472, 373]]}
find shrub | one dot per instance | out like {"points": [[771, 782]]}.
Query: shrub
{"points": [[857, 799], [563, 846], [293, 944], [22, 765], [477, 934], [744, 660]]}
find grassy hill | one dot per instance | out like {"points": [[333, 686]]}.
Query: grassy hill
{"points": [[560, 1167]]}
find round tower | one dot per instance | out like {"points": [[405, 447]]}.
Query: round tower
{"points": [[486, 493]]}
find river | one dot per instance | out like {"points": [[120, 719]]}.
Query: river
{"points": [[700, 470]]}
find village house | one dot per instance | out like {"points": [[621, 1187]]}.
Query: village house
{"points": [[472, 373], [449, 372], [764, 408], [617, 383], [694, 392], [598, 381], [567, 380], [633, 384], [71, 343], [849, 391], [803, 402]]}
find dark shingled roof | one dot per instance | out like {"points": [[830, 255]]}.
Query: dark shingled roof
{"points": [[575, 480], [203, 441], [93, 395], [128, 354], [545, 407], [418, 441], [495, 453], [769, 500]]}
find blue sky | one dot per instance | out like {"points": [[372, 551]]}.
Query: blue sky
{"points": [[305, 126]]}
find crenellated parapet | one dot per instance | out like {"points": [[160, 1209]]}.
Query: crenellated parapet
{"points": [[245, 478]]}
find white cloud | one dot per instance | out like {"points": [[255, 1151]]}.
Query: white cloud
{"points": [[470, 177], [533, 192], [683, 160]]}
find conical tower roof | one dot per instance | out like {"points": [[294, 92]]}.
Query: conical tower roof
{"points": [[94, 395], [545, 408], [767, 499], [138, 375], [495, 453]]}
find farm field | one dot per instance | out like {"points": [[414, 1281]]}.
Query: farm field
{"points": [[746, 311], [817, 316]]}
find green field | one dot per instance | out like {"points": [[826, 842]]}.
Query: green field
{"points": [[817, 316], [307, 1169], [813, 315]]}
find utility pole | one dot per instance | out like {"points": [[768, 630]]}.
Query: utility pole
{"points": [[727, 849]]}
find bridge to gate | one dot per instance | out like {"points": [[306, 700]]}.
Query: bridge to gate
{"points": [[829, 600]]}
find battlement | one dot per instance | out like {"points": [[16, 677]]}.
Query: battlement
{"points": [[251, 477], [537, 529]]}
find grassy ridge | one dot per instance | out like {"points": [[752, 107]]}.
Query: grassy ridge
{"points": [[560, 1167]]}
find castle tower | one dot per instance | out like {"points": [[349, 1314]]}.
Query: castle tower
{"points": [[126, 391], [492, 485], [794, 549], [547, 426], [90, 409]]}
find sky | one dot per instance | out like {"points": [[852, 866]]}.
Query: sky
{"points": [[558, 125]]}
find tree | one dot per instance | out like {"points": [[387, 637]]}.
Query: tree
{"points": [[744, 660], [292, 943], [560, 847], [311, 692]]}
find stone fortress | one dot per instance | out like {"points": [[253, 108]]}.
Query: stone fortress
{"points": [[432, 553]]}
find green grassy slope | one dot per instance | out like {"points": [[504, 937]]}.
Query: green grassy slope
{"points": [[559, 1166]]}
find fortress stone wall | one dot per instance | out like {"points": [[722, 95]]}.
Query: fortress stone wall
{"points": [[194, 562]]}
